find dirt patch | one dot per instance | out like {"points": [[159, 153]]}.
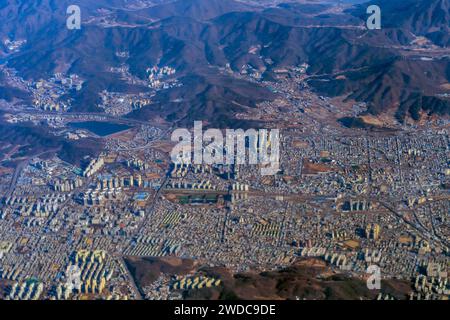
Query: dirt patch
{"points": [[146, 270], [445, 86], [315, 168]]}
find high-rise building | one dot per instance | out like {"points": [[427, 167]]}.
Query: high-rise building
{"points": [[373, 231]]}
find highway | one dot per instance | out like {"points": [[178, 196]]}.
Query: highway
{"points": [[15, 177], [18, 170]]}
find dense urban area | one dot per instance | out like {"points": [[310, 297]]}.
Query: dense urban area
{"points": [[122, 221]]}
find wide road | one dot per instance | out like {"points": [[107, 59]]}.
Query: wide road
{"points": [[15, 177]]}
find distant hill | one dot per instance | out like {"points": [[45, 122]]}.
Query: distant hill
{"points": [[198, 36], [310, 279], [33, 140], [429, 18], [195, 9]]}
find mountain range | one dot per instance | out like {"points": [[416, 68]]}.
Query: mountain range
{"points": [[403, 69]]}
